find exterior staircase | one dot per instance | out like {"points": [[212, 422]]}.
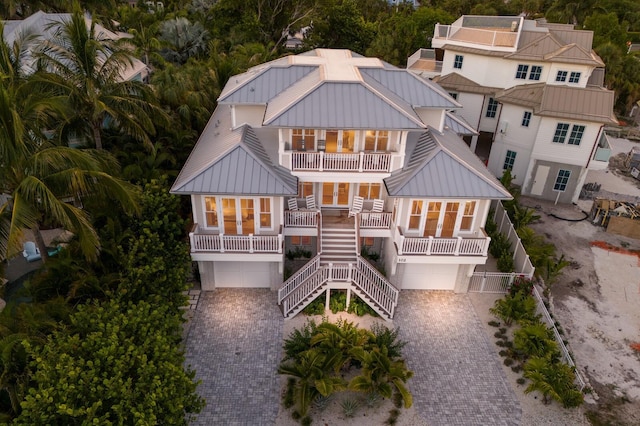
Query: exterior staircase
{"points": [[338, 266], [338, 244]]}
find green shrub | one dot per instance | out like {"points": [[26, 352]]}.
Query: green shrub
{"points": [[499, 244], [386, 337], [306, 421], [514, 308], [535, 340], [360, 307], [317, 306], [338, 301], [372, 399], [521, 380], [494, 323], [299, 340], [349, 407], [505, 261], [554, 380], [508, 361]]}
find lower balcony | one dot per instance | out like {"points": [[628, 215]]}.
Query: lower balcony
{"points": [[202, 242], [455, 246]]}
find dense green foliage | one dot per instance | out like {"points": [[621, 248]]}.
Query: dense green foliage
{"points": [[317, 357], [116, 363]]}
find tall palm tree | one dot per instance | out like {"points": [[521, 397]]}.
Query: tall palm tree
{"points": [[84, 65], [36, 175]]}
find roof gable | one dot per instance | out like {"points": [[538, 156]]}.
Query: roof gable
{"points": [[263, 86], [440, 168], [344, 105], [537, 48], [455, 81]]}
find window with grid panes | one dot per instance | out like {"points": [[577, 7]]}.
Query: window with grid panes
{"points": [[521, 74], [304, 189], [561, 180], [536, 72], [301, 240], [415, 215], [526, 118], [302, 139], [561, 132], [492, 108], [509, 160], [574, 77], [561, 76], [576, 135], [457, 61]]}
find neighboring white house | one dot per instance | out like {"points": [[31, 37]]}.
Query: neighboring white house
{"points": [[43, 26], [533, 91], [329, 151]]}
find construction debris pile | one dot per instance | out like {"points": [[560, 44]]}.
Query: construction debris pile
{"points": [[632, 162], [618, 217]]}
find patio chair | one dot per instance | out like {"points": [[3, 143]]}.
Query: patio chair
{"points": [[293, 204], [356, 206], [378, 206], [311, 202], [31, 252]]}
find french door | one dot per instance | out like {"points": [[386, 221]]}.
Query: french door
{"points": [[434, 218], [340, 140], [239, 216], [335, 194]]}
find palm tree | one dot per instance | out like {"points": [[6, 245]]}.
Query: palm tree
{"points": [[553, 380], [86, 67], [535, 340], [312, 374]]}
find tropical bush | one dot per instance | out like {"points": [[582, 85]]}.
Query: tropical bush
{"points": [[554, 380], [515, 308]]}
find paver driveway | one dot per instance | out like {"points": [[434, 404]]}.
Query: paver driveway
{"points": [[457, 379], [235, 345]]}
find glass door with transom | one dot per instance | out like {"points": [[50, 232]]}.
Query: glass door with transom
{"points": [[335, 194], [238, 216], [434, 218]]}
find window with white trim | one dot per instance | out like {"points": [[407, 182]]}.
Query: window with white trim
{"points": [[509, 160], [561, 132], [561, 76], [376, 140], [415, 215], [457, 62], [301, 240], [467, 216], [574, 77], [302, 139], [305, 189], [561, 180], [526, 118], [576, 135], [265, 212], [492, 108], [536, 72], [454, 95], [521, 74], [369, 190], [210, 212]]}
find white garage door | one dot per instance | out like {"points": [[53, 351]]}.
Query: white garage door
{"points": [[242, 274], [429, 277]]}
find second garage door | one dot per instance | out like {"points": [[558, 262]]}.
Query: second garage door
{"points": [[429, 277], [242, 274]]}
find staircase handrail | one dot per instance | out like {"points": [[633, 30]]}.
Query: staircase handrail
{"points": [[375, 285], [310, 268], [303, 290]]}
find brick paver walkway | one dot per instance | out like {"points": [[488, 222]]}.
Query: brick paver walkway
{"points": [[235, 345], [235, 342], [457, 379]]}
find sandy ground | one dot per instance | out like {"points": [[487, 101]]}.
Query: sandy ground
{"points": [[597, 298]]}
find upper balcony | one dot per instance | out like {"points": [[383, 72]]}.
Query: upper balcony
{"points": [[340, 162], [483, 32]]}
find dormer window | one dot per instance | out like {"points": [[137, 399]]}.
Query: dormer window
{"points": [[561, 76], [574, 77]]}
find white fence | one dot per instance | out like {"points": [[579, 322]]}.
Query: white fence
{"points": [[521, 261], [566, 357]]}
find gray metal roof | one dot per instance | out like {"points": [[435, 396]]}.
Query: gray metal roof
{"points": [[343, 105], [226, 161], [458, 125], [410, 88], [265, 85], [442, 166]]}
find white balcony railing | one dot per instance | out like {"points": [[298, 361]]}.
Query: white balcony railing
{"points": [[375, 220], [301, 218], [501, 37], [221, 243], [341, 162], [456, 246]]}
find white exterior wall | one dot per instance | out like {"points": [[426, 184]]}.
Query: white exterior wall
{"points": [[432, 117], [248, 114], [491, 71], [472, 107], [546, 149], [517, 138]]}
